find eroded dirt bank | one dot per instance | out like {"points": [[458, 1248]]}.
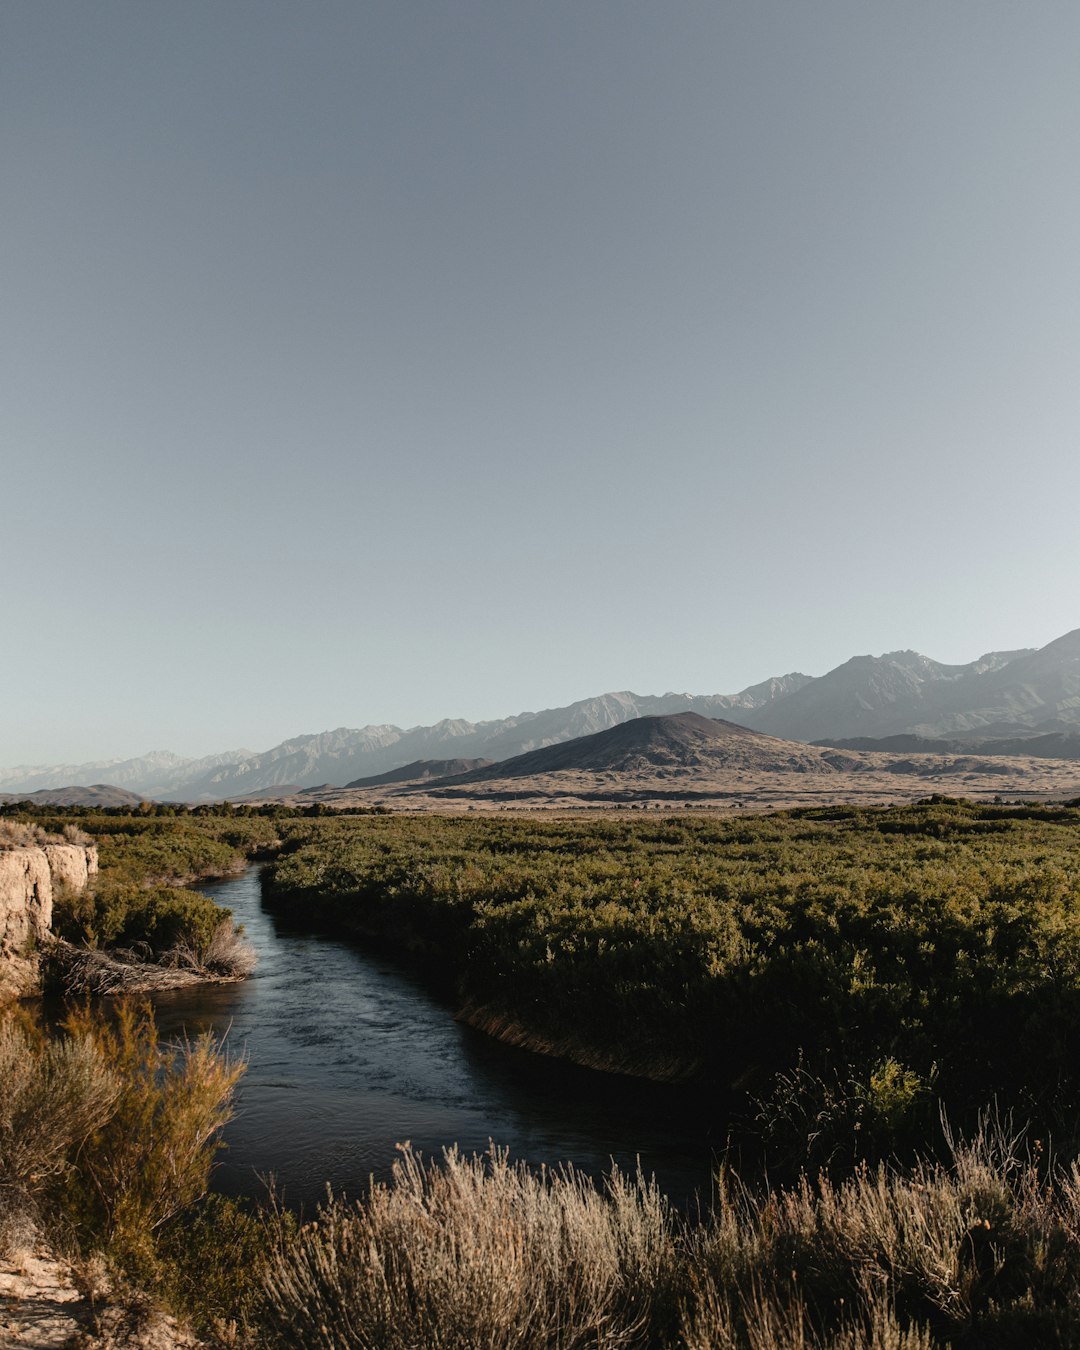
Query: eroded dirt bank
{"points": [[31, 874]]}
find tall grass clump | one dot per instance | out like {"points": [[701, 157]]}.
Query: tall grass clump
{"points": [[107, 1143], [21, 834], [54, 1096], [150, 1160], [980, 1251], [476, 1254]]}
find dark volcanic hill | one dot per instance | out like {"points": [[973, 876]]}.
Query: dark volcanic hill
{"points": [[679, 741], [422, 770], [97, 794]]}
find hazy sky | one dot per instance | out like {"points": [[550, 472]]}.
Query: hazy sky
{"points": [[390, 361]]}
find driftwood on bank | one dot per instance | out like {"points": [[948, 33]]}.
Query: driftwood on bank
{"points": [[76, 970]]}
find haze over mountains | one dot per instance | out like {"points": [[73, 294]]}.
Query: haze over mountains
{"points": [[1001, 694], [681, 760], [1003, 697]]}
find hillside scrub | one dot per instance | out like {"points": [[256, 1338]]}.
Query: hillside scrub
{"points": [[887, 955]]}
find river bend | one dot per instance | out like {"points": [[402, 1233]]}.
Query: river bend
{"points": [[348, 1054]]}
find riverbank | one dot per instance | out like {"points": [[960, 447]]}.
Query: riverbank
{"points": [[73, 971], [137, 926], [37, 868], [575, 1048]]}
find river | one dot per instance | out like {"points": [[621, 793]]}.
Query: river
{"points": [[348, 1054]]}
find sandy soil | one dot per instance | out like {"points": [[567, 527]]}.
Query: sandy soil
{"points": [[41, 1308]]}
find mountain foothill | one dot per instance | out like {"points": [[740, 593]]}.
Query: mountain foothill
{"points": [[889, 727]]}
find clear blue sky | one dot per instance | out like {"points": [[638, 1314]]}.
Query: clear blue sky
{"points": [[392, 361]]}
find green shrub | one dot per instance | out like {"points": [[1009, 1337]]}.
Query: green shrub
{"points": [[807, 1121], [150, 1160], [212, 1259], [55, 1094], [124, 914]]}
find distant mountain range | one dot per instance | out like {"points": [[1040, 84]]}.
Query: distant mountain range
{"points": [[1002, 697], [158, 774], [344, 755], [1003, 694]]}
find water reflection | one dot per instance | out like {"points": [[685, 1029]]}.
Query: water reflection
{"points": [[348, 1054]]}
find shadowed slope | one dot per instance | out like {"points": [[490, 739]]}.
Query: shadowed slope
{"points": [[679, 741], [422, 770], [97, 794]]}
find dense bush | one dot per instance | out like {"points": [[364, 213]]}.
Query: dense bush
{"points": [[942, 938], [124, 914], [55, 1094], [149, 849]]}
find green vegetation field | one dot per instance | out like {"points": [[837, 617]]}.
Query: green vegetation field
{"points": [[845, 974], [843, 965]]}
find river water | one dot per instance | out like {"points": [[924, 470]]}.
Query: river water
{"points": [[348, 1054]]}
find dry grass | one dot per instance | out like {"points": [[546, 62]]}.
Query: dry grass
{"points": [[980, 1252], [16, 834], [476, 1254], [55, 1094], [21, 834], [983, 1251], [83, 971], [228, 954]]}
